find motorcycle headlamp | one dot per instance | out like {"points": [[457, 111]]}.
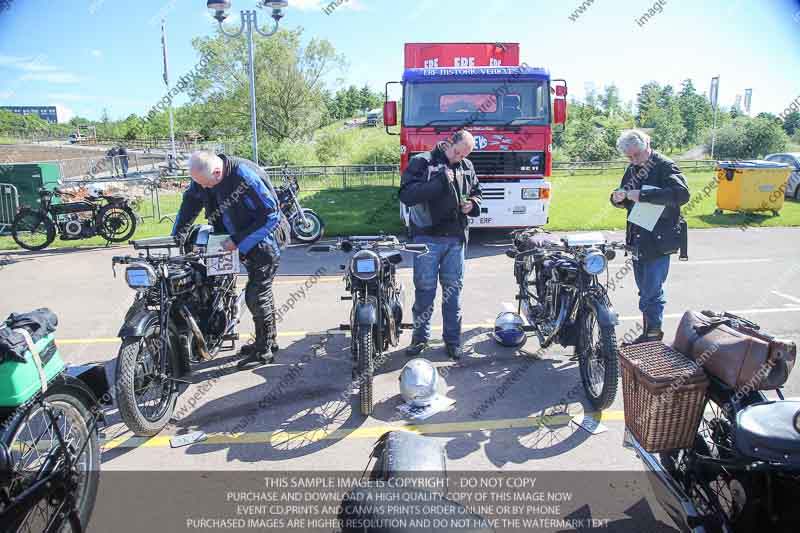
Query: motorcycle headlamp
{"points": [[140, 276], [594, 263], [365, 265]]}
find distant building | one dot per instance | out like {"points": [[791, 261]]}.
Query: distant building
{"points": [[46, 113]]}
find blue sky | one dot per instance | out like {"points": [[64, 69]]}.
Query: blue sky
{"points": [[84, 55]]}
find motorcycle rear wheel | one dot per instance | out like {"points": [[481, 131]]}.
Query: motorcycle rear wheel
{"points": [[30, 227], [133, 383], [598, 360], [366, 349]]}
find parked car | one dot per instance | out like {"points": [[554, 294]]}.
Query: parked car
{"points": [[793, 160]]}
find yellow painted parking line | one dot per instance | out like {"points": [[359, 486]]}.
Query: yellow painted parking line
{"points": [[277, 438]]}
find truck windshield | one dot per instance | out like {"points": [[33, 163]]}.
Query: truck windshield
{"points": [[485, 103]]}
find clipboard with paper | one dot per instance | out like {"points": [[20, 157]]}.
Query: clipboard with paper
{"points": [[646, 215]]}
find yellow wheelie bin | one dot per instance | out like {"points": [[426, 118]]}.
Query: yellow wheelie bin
{"points": [[749, 186]]}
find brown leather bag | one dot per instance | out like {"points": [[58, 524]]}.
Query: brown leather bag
{"points": [[732, 349]]}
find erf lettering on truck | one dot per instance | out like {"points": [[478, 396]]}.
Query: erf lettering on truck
{"points": [[509, 108]]}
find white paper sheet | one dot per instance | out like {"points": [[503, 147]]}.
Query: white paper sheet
{"points": [[439, 404], [227, 264], [646, 215]]}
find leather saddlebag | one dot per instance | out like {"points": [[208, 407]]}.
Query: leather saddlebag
{"points": [[733, 350]]}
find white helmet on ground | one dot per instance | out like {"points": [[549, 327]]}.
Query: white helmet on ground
{"points": [[95, 190], [419, 382]]}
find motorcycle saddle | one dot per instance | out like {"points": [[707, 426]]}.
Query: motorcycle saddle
{"points": [[766, 431]]}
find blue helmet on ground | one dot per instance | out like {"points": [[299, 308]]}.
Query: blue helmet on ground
{"points": [[509, 329]]}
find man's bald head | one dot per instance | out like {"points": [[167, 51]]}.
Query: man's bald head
{"points": [[459, 146]]}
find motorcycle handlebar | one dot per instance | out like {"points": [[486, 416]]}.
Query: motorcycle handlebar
{"points": [[417, 248]]}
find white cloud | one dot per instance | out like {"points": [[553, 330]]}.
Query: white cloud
{"points": [[64, 113], [28, 64], [5, 95], [51, 77], [96, 53]]}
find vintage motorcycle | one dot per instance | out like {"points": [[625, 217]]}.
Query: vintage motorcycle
{"points": [[110, 217], [743, 472], [49, 445], [307, 226], [376, 318], [565, 303], [180, 315]]}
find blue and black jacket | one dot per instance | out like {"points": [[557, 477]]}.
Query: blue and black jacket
{"points": [[243, 205]]}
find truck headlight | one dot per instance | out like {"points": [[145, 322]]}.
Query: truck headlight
{"points": [[594, 262], [530, 194], [365, 265], [140, 276]]}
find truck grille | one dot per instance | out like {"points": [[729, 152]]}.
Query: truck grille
{"points": [[499, 163], [493, 193], [505, 163]]}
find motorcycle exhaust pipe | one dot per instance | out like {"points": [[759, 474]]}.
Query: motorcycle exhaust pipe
{"points": [[201, 340]]}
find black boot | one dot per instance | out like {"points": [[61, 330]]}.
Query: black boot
{"points": [[260, 352], [650, 334]]}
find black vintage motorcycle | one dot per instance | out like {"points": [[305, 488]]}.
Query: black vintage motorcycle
{"points": [[743, 472], [50, 451], [180, 315], [376, 318], [565, 303], [307, 225], [110, 217]]}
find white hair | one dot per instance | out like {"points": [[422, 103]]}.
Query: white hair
{"points": [[204, 162], [633, 139]]}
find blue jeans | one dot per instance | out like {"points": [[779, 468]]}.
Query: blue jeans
{"points": [[650, 277], [445, 261]]}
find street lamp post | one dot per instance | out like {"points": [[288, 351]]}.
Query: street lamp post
{"points": [[249, 25]]}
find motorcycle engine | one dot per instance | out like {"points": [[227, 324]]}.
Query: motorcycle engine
{"points": [[77, 228], [73, 228]]}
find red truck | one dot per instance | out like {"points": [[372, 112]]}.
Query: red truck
{"points": [[508, 107]]}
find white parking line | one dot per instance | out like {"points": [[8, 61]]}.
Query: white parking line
{"points": [[790, 298], [709, 262], [735, 312]]}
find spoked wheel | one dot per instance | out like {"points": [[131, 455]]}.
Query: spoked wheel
{"points": [[310, 231], [146, 398], [727, 500], [33, 230], [36, 451], [116, 223], [598, 359], [364, 355]]}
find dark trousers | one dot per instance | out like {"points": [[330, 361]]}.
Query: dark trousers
{"points": [[650, 276], [262, 264]]}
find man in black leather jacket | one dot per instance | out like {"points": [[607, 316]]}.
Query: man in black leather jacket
{"points": [[441, 189], [655, 179]]}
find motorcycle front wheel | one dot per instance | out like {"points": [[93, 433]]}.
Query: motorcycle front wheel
{"points": [[33, 230], [598, 360], [33, 441], [310, 231], [366, 349], [116, 223], [146, 399]]}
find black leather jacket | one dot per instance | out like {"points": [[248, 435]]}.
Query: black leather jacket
{"points": [[669, 232]]}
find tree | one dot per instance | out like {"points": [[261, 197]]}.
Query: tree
{"points": [[668, 130], [647, 104], [609, 100], [290, 81], [748, 138], [791, 122], [696, 113]]}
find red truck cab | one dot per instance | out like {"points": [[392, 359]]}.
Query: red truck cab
{"points": [[509, 108]]}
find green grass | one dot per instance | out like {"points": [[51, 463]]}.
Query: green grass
{"points": [[578, 203]]}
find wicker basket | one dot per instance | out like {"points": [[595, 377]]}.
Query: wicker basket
{"points": [[664, 394]]}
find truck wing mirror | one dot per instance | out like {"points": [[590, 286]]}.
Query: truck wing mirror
{"points": [[390, 113]]}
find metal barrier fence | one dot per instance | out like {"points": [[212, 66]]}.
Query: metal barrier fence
{"points": [[598, 167], [314, 178], [9, 204]]}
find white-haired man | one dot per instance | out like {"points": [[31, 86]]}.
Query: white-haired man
{"points": [[239, 200], [654, 179]]}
